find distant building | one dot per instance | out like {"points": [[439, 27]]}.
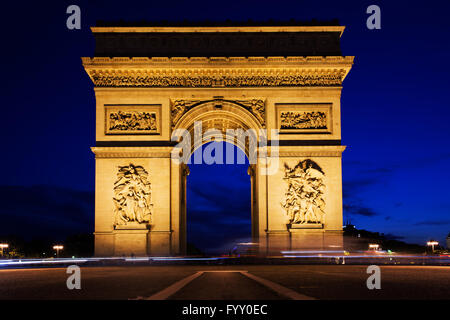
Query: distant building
{"points": [[359, 239]]}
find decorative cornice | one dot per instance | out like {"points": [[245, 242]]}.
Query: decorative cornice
{"points": [[132, 152], [205, 29], [204, 72], [311, 154], [165, 152], [305, 151], [146, 61]]}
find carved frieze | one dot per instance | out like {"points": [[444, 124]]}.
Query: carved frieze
{"points": [[303, 120], [132, 196], [304, 117], [132, 121], [295, 78], [126, 120], [304, 198], [204, 72]]}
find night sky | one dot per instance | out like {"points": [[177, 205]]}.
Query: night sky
{"points": [[395, 118]]}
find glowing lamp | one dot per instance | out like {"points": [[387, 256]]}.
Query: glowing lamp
{"points": [[57, 248], [3, 246], [432, 243]]}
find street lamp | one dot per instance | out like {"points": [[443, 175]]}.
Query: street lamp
{"points": [[3, 246], [432, 243], [374, 246], [57, 248]]}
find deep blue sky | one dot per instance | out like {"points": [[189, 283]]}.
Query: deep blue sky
{"points": [[395, 111]]}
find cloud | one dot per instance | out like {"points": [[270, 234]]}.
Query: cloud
{"points": [[210, 231], [355, 209], [352, 187], [215, 195], [350, 194], [390, 236], [379, 170], [370, 167], [218, 207], [351, 200], [432, 223]]}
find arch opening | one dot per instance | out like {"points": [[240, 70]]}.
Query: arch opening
{"points": [[232, 122], [218, 202]]}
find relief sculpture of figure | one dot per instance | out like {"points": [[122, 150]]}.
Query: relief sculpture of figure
{"points": [[304, 201], [132, 195], [255, 106], [178, 108], [303, 120], [132, 121]]}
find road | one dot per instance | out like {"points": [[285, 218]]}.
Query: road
{"points": [[265, 282]]}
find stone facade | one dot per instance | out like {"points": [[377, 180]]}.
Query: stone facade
{"points": [[139, 103]]}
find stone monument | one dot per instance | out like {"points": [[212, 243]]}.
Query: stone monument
{"points": [[150, 80]]}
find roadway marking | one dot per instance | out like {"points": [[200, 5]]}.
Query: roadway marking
{"points": [[286, 292], [170, 290], [177, 286]]}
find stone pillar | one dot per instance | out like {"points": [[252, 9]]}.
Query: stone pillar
{"points": [[133, 201], [183, 237]]}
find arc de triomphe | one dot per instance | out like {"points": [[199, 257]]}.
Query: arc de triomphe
{"points": [[151, 80]]}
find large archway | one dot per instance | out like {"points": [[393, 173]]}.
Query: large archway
{"points": [[234, 122], [218, 197]]}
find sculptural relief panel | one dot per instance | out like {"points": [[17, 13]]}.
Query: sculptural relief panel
{"points": [[304, 202], [132, 196], [132, 120], [304, 118]]}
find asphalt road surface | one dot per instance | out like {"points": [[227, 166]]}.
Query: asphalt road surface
{"points": [[227, 282]]}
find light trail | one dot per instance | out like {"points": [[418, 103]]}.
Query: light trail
{"points": [[187, 259], [12, 263], [313, 251], [366, 256], [299, 254], [37, 262]]}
